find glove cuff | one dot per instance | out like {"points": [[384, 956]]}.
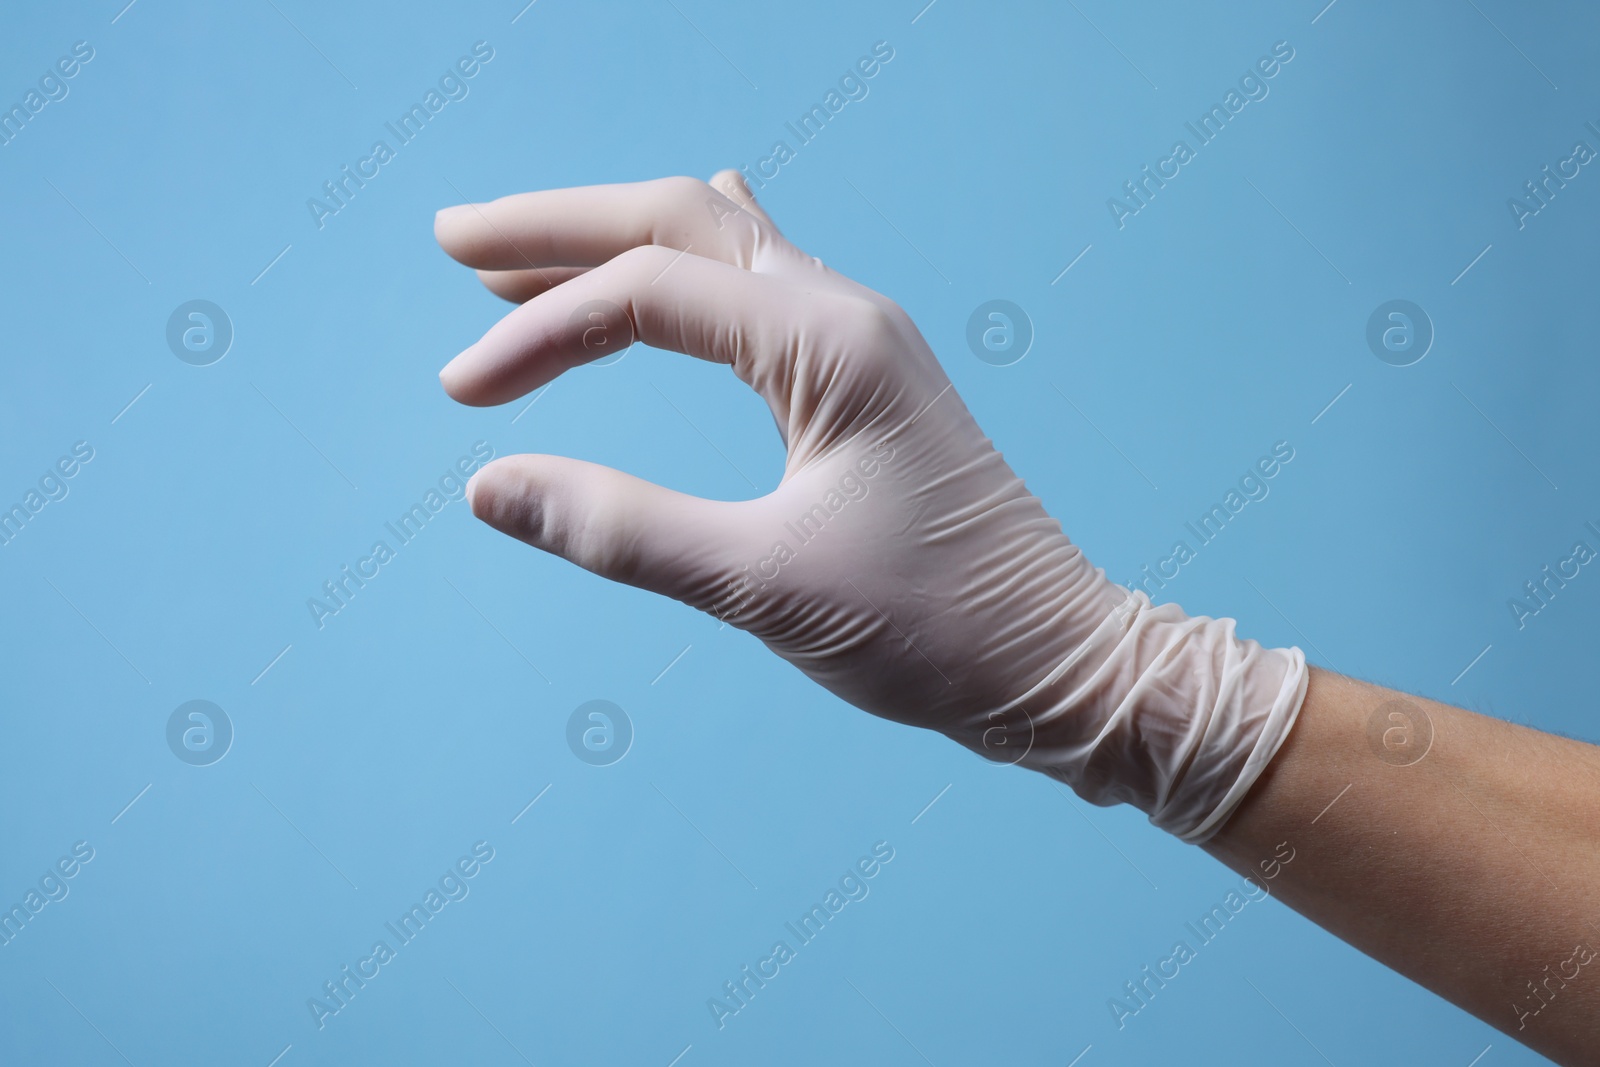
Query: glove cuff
{"points": [[1175, 715]]}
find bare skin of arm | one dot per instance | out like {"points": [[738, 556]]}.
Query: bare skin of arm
{"points": [[1461, 851]]}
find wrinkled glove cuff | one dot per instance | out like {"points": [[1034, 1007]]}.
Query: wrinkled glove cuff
{"points": [[1175, 715]]}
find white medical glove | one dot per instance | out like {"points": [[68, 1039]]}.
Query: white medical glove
{"points": [[900, 562]]}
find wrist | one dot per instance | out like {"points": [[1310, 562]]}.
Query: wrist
{"points": [[1176, 715]]}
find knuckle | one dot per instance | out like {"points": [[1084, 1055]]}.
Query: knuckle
{"points": [[679, 211], [874, 335], [680, 192], [871, 324]]}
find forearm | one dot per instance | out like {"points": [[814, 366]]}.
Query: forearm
{"points": [[1469, 862]]}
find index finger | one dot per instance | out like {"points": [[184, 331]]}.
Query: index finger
{"points": [[590, 225]]}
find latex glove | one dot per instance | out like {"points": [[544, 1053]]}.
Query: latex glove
{"points": [[900, 562]]}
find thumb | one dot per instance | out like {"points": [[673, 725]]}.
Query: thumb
{"points": [[613, 524]]}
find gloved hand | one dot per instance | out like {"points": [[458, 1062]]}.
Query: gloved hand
{"points": [[900, 562]]}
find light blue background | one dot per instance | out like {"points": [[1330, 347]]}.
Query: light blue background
{"points": [[378, 750]]}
